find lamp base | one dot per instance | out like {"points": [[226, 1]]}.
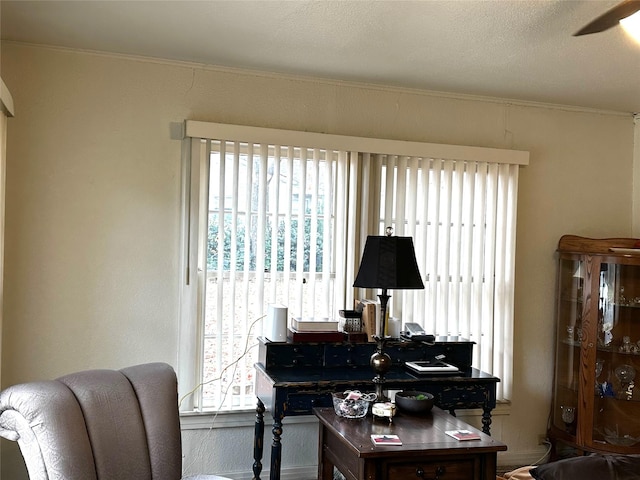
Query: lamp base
{"points": [[381, 364]]}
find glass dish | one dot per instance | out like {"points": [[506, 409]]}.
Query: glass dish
{"points": [[352, 404]]}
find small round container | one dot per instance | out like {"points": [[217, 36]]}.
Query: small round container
{"points": [[350, 405], [384, 409]]}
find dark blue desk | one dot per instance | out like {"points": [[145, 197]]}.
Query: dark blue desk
{"points": [[293, 378]]}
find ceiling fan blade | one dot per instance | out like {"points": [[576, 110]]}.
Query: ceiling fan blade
{"points": [[610, 18]]}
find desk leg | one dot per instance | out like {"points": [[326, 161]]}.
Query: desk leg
{"points": [[258, 440], [276, 450], [486, 420], [325, 466]]}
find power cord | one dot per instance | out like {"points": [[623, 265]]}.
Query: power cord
{"points": [[546, 454], [201, 445], [234, 364]]}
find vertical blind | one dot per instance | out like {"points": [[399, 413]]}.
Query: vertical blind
{"points": [[271, 226], [274, 216], [462, 217]]}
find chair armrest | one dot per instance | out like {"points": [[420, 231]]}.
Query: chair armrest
{"points": [[46, 421]]}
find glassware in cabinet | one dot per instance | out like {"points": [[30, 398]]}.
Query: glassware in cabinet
{"points": [[596, 404]]}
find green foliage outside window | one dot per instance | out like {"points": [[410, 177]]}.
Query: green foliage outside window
{"points": [[214, 253]]}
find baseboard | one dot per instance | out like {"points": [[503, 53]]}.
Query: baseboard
{"points": [[309, 472], [531, 457]]}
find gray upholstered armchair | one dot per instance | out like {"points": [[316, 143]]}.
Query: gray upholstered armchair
{"points": [[98, 424]]}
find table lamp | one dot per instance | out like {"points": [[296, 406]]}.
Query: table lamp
{"points": [[388, 263]]}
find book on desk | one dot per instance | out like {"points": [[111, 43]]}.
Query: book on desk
{"points": [[309, 336], [313, 324]]}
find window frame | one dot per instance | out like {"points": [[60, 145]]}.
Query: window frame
{"points": [[195, 198]]}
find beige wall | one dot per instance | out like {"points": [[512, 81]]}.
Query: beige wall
{"points": [[92, 210]]}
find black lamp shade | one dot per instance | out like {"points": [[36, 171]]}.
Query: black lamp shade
{"points": [[389, 263]]}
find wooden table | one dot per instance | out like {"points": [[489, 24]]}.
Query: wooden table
{"points": [[426, 451], [293, 378]]}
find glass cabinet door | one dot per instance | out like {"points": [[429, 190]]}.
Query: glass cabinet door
{"points": [[596, 402], [568, 339], [616, 410]]}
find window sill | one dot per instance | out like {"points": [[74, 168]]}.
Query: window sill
{"points": [[247, 418], [238, 419]]}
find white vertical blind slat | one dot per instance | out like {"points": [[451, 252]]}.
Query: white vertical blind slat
{"points": [[219, 314], [390, 193], [488, 308], [444, 257], [421, 240], [399, 225], [261, 218], [400, 198], [433, 245], [341, 219], [302, 191], [455, 259], [350, 239], [232, 287], [500, 273], [329, 191], [506, 386], [466, 245], [411, 296], [477, 261], [288, 224], [313, 253], [368, 203], [274, 209]]}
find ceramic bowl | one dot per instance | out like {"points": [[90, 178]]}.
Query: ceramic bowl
{"points": [[414, 402]]}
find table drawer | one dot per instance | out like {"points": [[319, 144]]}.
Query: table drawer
{"points": [[449, 469], [472, 396], [303, 403], [292, 355]]}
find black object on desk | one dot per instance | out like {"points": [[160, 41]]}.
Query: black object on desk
{"points": [[293, 378]]}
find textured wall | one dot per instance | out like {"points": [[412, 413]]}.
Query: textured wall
{"points": [[92, 209]]}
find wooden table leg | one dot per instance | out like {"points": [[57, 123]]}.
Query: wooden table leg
{"points": [[325, 466], [258, 440], [276, 450], [486, 420]]}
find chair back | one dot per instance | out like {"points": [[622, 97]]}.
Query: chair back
{"points": [[97, 424]]}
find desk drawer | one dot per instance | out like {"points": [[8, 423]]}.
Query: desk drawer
{"points": [[292, 355], [471, 396], [302, 403], [445, 469]]}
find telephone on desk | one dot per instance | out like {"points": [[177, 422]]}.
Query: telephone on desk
{"points": [[415, 333]]}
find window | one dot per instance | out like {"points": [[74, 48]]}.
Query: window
{"points": [[273, 216]]}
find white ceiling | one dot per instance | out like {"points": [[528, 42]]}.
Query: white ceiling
{"points": [[518, 49]]}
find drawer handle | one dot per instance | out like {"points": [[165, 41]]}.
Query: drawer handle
{"points": [[439, 471]]}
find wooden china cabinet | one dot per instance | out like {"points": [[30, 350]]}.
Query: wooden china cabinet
{"points": [[596, 401]]}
